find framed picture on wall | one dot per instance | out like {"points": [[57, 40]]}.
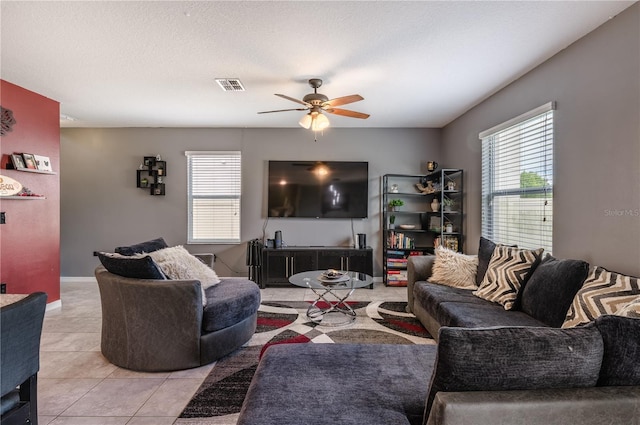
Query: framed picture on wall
{"points": [[43, 163], [29, 161], [17, 161]]}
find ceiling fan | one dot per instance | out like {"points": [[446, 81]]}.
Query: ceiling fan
{"points": [[316, 103]]}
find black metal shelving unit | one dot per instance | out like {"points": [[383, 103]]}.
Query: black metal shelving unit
{"points": [[420, 226]]}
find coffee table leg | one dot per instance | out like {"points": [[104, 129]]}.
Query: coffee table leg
{"points": [[336, 304]]}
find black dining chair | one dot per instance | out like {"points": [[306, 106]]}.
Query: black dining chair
{"points": [[20, 330]]}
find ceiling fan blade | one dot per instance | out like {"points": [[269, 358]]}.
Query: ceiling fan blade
{"points": [[284, 96], [283, 110], [347, 113], [343, 100]]}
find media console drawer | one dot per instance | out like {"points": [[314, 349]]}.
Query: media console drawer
{"points": [[278, 264]]}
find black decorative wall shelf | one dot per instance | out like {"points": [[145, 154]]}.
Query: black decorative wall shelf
{"points": [[151, 175]]}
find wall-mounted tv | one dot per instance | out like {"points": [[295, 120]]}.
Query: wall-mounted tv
{"points": [[318, 189]]}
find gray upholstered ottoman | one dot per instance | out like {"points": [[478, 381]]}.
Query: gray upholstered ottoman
{"points": [[351, 384]]}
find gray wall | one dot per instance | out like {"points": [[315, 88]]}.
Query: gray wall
{"points": [[101, 208], [595, 83]]}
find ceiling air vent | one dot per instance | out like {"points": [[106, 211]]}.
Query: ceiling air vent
{"points": [[230, 84]]}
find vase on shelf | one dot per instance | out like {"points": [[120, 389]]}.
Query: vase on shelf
{"points": [[435, 205]]}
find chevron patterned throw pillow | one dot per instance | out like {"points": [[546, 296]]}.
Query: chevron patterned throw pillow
{"points": [[603, 292], [508, 271], [630, 310]]}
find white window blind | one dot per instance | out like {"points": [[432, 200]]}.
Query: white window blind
{"points": [[214, 192], [517, 180]]}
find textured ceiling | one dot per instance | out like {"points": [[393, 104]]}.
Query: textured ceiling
{"points": [[154, 63]]}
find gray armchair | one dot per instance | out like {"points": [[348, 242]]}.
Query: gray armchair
{"points": [[21, 329], [161, 325]]}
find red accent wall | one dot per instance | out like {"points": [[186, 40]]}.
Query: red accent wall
{"points": [[30, 239]]}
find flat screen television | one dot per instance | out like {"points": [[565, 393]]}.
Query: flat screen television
{"points": [[318, 189]]}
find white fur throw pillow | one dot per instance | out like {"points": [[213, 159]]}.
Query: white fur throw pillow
{"points": [[454, 269], [178, 264]]}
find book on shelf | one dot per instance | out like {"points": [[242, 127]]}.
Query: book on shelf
{"points": [[399, 240], [394, 252], [396, 282], [396, 260], [397, 266]]}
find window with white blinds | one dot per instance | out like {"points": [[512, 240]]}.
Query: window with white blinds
{"points": [[517, 180], [214, 191]]}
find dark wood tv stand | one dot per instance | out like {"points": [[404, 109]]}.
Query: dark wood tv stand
{"points": [[278, 264]]}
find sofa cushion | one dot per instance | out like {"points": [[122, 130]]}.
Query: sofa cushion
{"points": [[508, 271], [630, 310], [229, 302], [620, 364], [454, 269], [603, 292], [466, 315], [551, 288], [515, 358], [381, 384], [148, 246], [434, 293], [485, 251], [430, 297], [139, 267]]}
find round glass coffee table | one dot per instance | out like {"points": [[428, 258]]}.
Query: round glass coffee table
{"points": [[330, 307]]}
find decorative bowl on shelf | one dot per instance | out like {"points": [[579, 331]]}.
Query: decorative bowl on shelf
{"points": [[407, 226]]}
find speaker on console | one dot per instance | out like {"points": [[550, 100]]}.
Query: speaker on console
{"points": [[278, 239], [362, 241]]}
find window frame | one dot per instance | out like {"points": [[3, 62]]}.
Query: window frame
{"points": [[489, 222], [237, 156]]}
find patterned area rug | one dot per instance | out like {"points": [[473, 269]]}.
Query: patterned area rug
{"points": [[223, 391]]}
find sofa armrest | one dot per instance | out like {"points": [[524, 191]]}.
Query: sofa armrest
{"points": [[206, 258], [418, 268], [585, 406], [141, 316]]}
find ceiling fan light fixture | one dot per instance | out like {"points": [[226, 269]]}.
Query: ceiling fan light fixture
{"points": [[306, 121], [320, 122], [317, 103]]}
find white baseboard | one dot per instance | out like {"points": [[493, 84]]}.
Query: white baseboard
{"points": [[53, 305], [72, 279]]}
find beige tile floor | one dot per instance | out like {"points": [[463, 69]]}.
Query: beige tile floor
{"points": [[78, 386]]}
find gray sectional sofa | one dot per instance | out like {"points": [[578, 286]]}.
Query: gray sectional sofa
{"points": [[490, 366], [544, 300]]}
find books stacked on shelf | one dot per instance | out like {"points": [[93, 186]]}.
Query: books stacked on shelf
{"points": [[397, 277], [399, 240], [397, 266], [396, 260]]}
